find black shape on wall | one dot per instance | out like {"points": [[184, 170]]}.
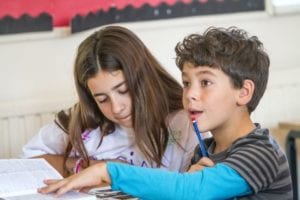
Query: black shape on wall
{"points": [[25, 23], [163, 11]]}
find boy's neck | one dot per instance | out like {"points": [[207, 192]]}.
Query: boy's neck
{"points": [[227, 134]]}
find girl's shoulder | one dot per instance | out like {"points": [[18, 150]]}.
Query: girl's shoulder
{"points": [[178, 123], [51, 129], [177, 116], [179, 126]]}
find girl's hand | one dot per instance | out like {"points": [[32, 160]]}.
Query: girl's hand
{"points": [[203, 162], [90, 177], [70, 163]]}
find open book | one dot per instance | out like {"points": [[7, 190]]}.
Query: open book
{"points": [[20, 178]]}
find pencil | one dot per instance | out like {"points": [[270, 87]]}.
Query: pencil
{"points": [[203, 150]]}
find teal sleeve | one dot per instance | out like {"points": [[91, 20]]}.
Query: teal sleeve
{"points": [[218, 182]]}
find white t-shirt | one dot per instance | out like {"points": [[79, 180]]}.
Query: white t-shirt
{"points": [[121, 144]]}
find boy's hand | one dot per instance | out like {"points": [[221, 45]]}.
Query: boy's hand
{"points": [[203, 162], [90, 177]]}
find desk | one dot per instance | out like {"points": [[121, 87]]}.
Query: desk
{"points": [[291, 151]]}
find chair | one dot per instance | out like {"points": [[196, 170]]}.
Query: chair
{"points": [[291, 153]]}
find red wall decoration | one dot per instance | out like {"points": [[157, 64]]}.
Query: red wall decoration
{"points": [[42, 15]]}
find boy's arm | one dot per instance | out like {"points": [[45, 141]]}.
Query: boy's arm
{"points": [[219, 182]]}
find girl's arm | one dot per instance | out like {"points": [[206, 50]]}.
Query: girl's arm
{"points": [[49, 143], [50, 140], [57, 161], [77, 163]]}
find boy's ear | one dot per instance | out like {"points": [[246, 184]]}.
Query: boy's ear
{"points": [[246, 92]]}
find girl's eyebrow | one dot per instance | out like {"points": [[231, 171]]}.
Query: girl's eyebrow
{"points": [[113, 88]]}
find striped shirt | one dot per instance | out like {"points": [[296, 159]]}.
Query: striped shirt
{"points": [[259, 160]]}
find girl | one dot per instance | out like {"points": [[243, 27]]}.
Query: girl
{"points": [[129, 110]]}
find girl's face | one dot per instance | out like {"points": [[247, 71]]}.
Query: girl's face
{"points": [[111, 94]]}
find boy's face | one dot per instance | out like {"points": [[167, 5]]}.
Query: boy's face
{"points": [[208, 96]]}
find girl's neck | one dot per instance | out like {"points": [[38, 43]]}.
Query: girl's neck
{"points": [[129, 131]]}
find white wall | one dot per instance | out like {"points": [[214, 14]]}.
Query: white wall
{"points": [[37, 73]]}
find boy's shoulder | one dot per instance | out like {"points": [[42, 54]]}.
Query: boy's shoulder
{"points": [[259, 138]]}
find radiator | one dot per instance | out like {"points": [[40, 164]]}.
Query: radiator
{"points": [[20, 121], [15, 131]]}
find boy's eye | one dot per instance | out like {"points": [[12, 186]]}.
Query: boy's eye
{"points": [[205, 83]]}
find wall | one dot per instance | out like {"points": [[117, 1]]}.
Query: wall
{"points": [[38, 72], [36, 69]]}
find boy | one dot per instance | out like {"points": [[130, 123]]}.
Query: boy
{"points": [[224, 74]]}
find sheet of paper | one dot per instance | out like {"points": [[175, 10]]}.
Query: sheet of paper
{"points": [[24, 176], [68, 196]]}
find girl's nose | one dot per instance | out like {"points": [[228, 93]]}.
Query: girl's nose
{"points": [[117, 106]]}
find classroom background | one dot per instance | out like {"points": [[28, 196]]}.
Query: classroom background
{"points": [[36, 69]]}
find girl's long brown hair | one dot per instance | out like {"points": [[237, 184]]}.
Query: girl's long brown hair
{"points": [[154, 92]]}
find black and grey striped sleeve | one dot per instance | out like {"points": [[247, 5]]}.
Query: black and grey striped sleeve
{"points": [[255, 159]]}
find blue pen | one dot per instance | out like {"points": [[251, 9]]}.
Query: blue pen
{"points": [[203, 151]]}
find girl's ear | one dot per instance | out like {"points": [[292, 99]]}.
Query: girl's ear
{"points": [[246, 92]]}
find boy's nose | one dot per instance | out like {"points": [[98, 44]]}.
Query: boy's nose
{"points": [[192, 94]]}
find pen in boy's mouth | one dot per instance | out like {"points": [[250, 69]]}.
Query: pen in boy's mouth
{"points": [[194, 114]]}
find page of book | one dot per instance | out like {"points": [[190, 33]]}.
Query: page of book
{"points": [[20, 178], [68, 196], [24, 176]]}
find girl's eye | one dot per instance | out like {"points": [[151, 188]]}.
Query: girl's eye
{"points": [[102, 100], [123, 91]]}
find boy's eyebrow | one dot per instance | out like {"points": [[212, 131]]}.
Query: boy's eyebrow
{"points": [[200, 72], [113, 88]]}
